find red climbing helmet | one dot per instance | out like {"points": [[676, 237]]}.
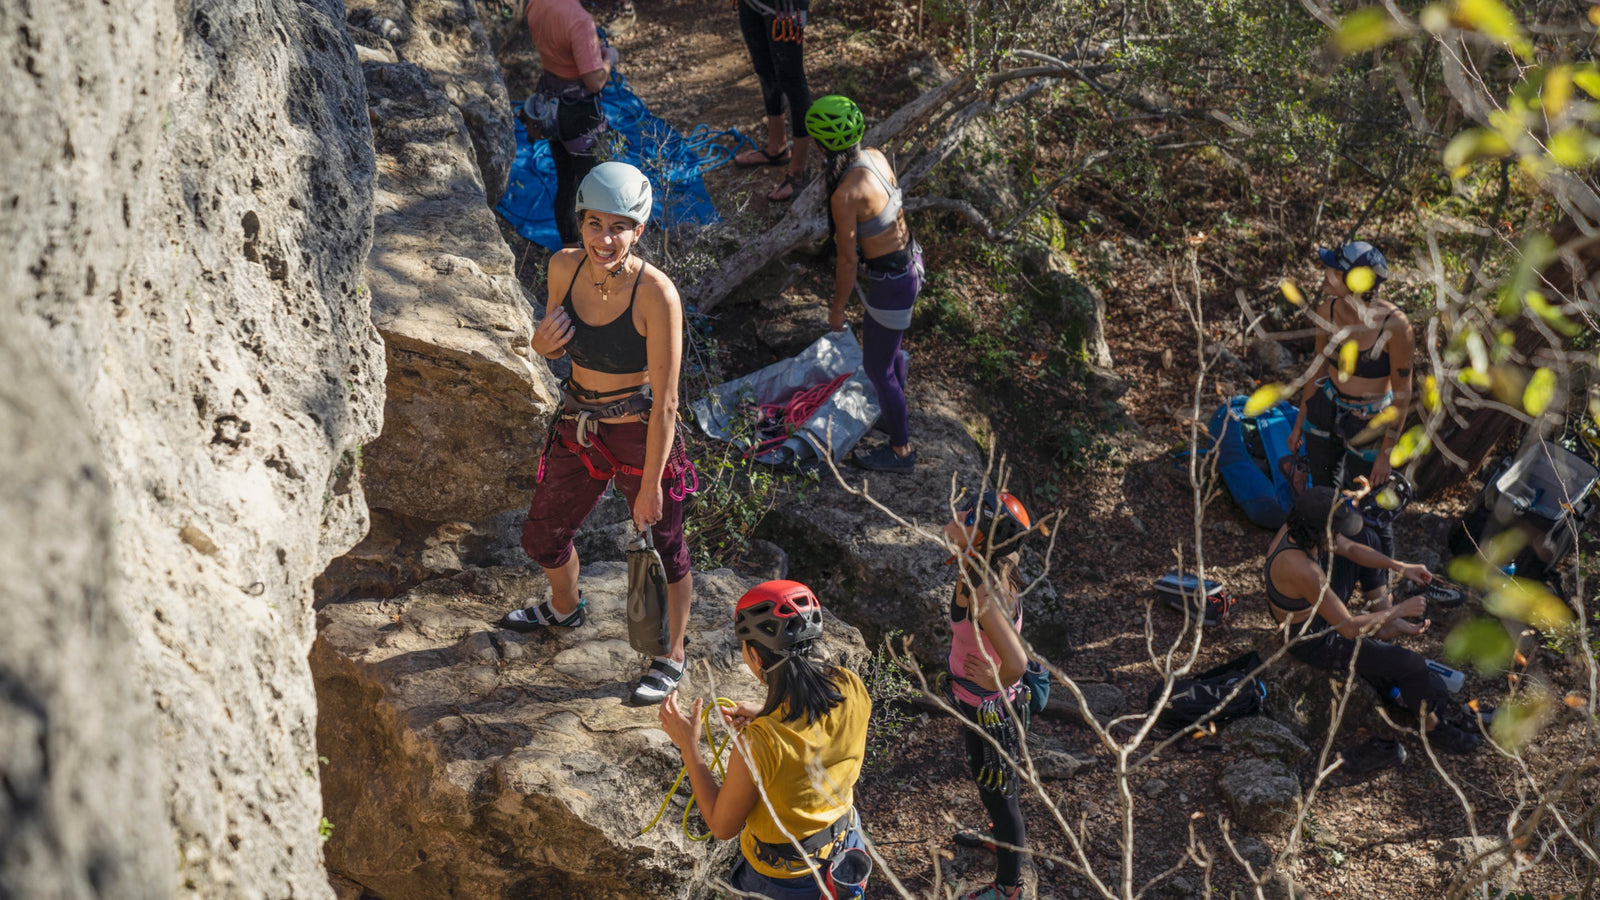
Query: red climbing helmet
{"points": [[1000, 517], [778, 615]]}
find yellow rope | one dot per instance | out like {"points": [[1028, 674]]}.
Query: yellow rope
{"points": [[716, 767]]}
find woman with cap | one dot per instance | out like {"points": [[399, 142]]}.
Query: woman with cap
{"points": [[986, 662], [774, 34], [620, 320], [864, 206], [1351, 416], [792, 773], [1324, 634]]}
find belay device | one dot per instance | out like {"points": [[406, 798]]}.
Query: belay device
{"points": [[647, 597]]}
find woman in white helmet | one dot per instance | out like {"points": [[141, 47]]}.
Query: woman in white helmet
{"points": [[620, 320]]}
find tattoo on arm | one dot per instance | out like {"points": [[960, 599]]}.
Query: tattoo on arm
{"points": [[1403, 373]]}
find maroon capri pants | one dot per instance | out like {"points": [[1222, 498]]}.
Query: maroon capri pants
{"points": [[568, 492]]}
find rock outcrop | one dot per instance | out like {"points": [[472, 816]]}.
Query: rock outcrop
{"points": [[448, 41], [472, 762], [187, 206], [466, 408], [78, 753]]}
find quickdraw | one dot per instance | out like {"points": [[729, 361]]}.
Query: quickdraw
{"points": [[789, 24]]}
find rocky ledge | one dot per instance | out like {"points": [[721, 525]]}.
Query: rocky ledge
{"points": [[475, 762]]}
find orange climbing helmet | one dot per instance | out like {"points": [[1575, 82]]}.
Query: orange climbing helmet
{"points": [[778, 615], [999, 517]]}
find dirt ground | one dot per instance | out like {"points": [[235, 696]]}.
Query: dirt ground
{"points": [[1125, 519]]}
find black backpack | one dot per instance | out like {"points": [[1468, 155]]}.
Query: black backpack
{"points": [[1197, 695]]}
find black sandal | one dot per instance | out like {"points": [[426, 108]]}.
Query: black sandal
{"points": [[768, 159], [795, 184], [658, 682], [527, 621]]}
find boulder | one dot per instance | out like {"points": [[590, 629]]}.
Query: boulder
{"points": [[79, 754], [472, 762], [1262, 737], [187, 195], [448, 41], [1263, 795], [466, 409], [1487, 858]]}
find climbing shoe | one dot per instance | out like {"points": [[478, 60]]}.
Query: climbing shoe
{"points": [[973, 837], [1450, 739], [992, 891], [1377, 753], [525, 621], [660, 680], [884, 459]]}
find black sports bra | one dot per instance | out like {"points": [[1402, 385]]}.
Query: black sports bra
{"points": [[1291, 604], [1375, 365], [615, 348]]}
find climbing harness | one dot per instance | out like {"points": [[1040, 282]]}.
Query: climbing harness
{"points": [[776, 422], [586, 437], [779, 855], [717, 768]]}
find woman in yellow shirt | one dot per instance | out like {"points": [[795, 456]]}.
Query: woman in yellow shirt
{"points": [[802, 748]]}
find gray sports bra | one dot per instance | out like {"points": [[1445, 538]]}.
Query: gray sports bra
{"points": [[881, 222]]}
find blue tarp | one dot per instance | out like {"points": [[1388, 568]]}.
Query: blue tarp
{"points": [[673, 163]]}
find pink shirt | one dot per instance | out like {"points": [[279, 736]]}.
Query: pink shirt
{"points": [[564, 34], [965, 639]]}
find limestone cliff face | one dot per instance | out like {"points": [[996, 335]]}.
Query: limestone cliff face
{"points": [[187, 208]]}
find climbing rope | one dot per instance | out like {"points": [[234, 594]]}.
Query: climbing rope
{"points": [[782, 419], [701, 142], [717, 768]]}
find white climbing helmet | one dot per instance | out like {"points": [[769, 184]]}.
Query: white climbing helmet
{"points": [[616, 188]]}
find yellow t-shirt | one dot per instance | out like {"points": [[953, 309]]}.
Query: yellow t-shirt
{"points": [[808, 771]]}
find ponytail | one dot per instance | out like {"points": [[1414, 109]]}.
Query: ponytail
{"points": [[797, 684], [834, 165]]}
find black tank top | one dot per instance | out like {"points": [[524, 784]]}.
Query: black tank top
{"points": [[1292, 604], [615, 348]]}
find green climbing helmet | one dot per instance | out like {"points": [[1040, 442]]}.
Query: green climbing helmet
{"points": [[835, 122]]}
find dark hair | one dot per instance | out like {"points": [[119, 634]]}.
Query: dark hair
{"points": [[798, 682], [1306, 534], [834, 165]]}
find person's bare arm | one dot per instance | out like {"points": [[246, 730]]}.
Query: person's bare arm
{"points": [[995, 622], [724, 807], [663, 315], [1402, 357], [555, 329], [1305, 580]]}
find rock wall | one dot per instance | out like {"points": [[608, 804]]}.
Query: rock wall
{"points": [[77, 737], [466, 408], [472, 762], [447, 39], [187, 207]]}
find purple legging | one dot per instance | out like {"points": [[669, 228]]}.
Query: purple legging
{"points": [[886, 367], [893, 292]]}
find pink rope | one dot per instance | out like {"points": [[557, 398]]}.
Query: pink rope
{"points": [[787, 417]]}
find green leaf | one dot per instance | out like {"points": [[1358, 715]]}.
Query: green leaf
{"points": [[1526, 600], [1556, 91], [1588, 76], [1472, 145], [1491, 18], [1477, 352], [1550, 314], [1518, 721], [1414, 443], [1540, 391], [1483, 643], [1472, 571], [1264, 398], [1573, 148], [1365, 29]]}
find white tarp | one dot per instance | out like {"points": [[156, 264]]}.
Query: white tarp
{"points": [[728, 411]]}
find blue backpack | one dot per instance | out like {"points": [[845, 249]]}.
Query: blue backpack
{"points": [[1249, 449]]}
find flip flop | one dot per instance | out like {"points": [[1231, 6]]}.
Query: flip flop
{"points": [[767, 159]]}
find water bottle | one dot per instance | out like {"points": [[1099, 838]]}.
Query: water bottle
{"points": [[1453, 679]]}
